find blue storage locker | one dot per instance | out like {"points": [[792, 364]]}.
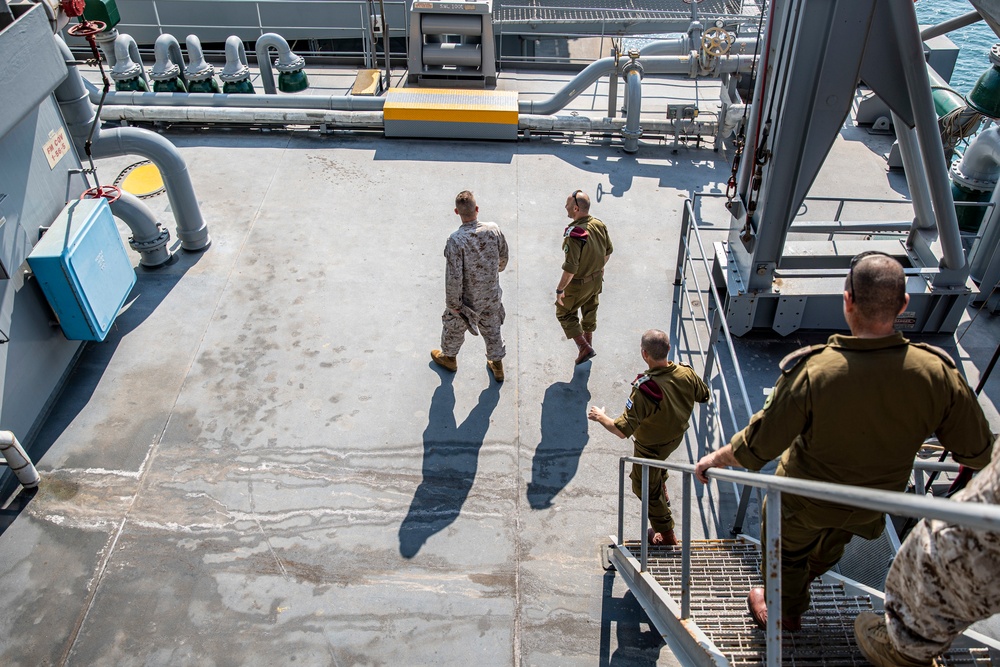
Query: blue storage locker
{"points": [[83, 269]]}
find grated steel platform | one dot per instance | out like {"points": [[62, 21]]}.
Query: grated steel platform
{"points": [[602, 10], [723, 571]]}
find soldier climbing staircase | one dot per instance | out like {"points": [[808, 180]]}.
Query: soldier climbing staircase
{"points": [[720, 630]]}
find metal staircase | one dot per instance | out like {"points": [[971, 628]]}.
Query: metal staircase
{"points": [[722, 571]]}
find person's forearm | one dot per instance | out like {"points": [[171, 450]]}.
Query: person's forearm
{"points": [[564, 281], [609, 424]]}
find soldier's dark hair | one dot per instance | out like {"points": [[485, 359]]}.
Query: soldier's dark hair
{"points": [[465, 202], [877, 286], [656, 344]]}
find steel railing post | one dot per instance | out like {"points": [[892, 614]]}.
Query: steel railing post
{"points": [[621, 501], [644, 549], [772, 583], [686, 549]]}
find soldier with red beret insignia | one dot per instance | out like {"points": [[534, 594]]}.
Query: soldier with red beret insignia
{"points": [[656, 415], [853, 411], [587, 247]]}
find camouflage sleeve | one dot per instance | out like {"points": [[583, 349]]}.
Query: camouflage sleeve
{"points": [[453, 275], [944, 577], [573, 250], [772, 430], [965, 431], [504, 251], [637, 408]]}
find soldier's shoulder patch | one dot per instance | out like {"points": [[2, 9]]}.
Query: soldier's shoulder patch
{"points": [[628, 403], [650, 390], [940, 352], [567, 231], [578, 233], [792, 360]]}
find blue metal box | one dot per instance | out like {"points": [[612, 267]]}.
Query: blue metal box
{"points": [[83, 269]]}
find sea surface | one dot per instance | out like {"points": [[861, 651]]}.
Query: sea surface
{"points": [[973, 42]]}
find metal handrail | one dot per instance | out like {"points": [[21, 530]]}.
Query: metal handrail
{"points": [[976, 515]]}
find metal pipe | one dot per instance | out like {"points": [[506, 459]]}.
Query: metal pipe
{"points": [[928, 136], [128, 63], [198, 68], [106, 41], [916, 175], [653, 65], [361, 119], [980, 164], [633, 88], [975, 515], [681, 45], [18, 460], [169, 63], [240, 101], [79, 114], [951, 24], [148, 238], [236, 60], [286, 59], [191, 228]]}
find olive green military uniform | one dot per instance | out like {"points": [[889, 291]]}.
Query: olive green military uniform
{"points": [[586, 244], [656, 415], [854, 411]]}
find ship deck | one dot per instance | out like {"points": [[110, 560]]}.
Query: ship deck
{"points": [[261, 465]]}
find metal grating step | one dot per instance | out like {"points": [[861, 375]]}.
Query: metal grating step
{"points": [[517, 11], [723, 571]]}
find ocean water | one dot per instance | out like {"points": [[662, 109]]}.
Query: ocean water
{"points": [[973, 42]]}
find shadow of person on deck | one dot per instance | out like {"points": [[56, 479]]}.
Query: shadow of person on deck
{"points": [[564, 435], [451, 456], [634, 645]]}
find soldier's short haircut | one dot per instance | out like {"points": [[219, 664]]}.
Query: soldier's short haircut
{"points": [[656, 344], [465, 202], [879, 287]]}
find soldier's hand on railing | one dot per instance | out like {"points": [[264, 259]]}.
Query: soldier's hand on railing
{"points": [[720, 458]]}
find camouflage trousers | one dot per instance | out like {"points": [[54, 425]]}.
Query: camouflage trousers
{"points": [[579, 310], [453, 331], [944, 577], [660, 517]]}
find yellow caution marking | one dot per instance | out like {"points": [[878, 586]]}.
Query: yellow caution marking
{"points": [[449, 105], [143, 180]]}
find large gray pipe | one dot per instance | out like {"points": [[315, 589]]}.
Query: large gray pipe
{"points": [[79, 114], [148, 238], [238, 101], [980, 164], [286, 59], [928, 137], [681, 45], [633, 88], [950, 25], [169, 62], [653, 65]]}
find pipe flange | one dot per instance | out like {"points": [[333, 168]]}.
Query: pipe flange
{"points": [[971, 183], [154, 243], [203, 74], [125, 70], [294, 64], [165, 73], [633, 65], [631, 134], [241, 74]]}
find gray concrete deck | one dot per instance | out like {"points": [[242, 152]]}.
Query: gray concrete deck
{"points": [[262, 466]]}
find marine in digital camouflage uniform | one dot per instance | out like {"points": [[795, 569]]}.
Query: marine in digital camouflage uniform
{"points": [[475, 255], [943, 580], [587, 247], [854, 411], [656, 415]]}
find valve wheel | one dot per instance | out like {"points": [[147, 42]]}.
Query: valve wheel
{"points": [[87, 28], [717, 41], [110, 192]]}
